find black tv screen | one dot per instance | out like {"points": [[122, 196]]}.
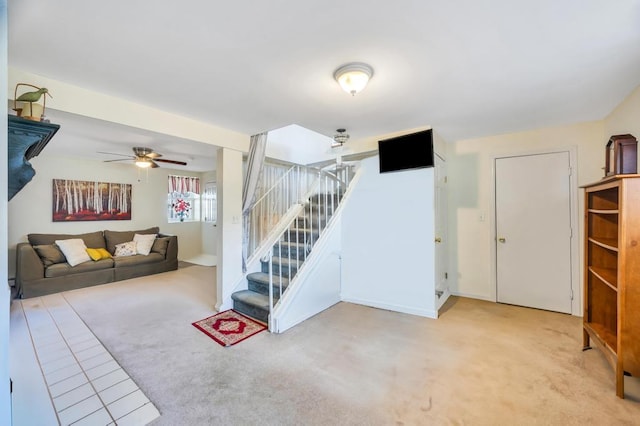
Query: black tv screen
{"points": [[413, 151]]}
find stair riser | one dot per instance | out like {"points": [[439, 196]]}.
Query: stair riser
{"points": [[310, 222], [263, 288], [286, 271], [318, 211], [324, 201], [300, 236], [289, 252], [251, 311]]}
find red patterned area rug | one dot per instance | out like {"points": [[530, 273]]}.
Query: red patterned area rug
{"points": [[229, 327]]}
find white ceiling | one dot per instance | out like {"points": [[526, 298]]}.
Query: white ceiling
{"points": [[88, 138], [468, 68]]}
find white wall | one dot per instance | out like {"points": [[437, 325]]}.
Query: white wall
{"points": [[298, 145], [470, 171], [229, 249], [5, 397], [30, 209], [625, 118], [388, 241]]}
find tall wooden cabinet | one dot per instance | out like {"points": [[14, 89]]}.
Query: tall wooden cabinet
{"points": [[612, 273]]}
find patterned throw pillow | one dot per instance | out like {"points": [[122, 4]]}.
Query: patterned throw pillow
{"points": [[125, 249]]}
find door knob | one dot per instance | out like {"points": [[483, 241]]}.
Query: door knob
{"points": [[438, 240], [502, 240]]}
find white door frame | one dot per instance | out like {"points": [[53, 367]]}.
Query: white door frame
{"points": [[576, 289]]}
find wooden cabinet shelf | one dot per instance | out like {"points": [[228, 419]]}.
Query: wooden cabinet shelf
{"points": [[608, 243], [606, 337], [612, 273], [606, 275], [599, 211]]}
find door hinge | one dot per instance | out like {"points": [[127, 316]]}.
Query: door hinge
{"points": [[446, 275], [445, 179], [571, 294], [570, 232], [10, 386], [570, 171]]}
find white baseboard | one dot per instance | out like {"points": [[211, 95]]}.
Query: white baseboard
{"points": [[472, 296], [395, 308]]}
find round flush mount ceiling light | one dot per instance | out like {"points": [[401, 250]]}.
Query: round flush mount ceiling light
{"points": [[353, 77]]}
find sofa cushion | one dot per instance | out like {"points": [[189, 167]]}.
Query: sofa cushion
{"points": [[144, 243], [74, 250], [138, 259], [50, 254], [62, 269], [91, 239], [118, 237], [160, 246]]}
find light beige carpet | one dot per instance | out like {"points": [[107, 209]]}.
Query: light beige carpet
{"points": [[481, 363]]}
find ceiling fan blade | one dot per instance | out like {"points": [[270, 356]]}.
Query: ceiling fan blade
{"points": [[154, 164], [119, 159], [153, 155], [113, 153], [180, 163]]}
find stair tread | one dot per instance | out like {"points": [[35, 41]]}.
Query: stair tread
{"points": [[263, 277], [284, 260], [252, 298], [290, 244]]}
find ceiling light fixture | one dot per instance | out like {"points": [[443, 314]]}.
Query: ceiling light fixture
{"points": [[143, 163], [353, 77], [340, 138]]}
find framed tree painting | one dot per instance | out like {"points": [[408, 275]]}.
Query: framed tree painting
{"points": [[78, 200]]}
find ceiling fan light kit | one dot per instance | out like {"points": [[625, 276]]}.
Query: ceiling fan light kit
{"points": [[143, 163], [144, 158], [353, 77]]}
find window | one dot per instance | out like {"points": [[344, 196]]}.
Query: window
{"points": [[183, 199], [210, 202]]}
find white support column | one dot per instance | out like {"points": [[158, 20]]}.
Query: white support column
{"points": [[229, 250], [5, 294]]}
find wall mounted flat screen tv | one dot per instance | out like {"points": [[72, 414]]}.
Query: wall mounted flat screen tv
{"points": [[413, 151]]}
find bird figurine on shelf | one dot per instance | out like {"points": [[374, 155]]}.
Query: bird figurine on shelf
{"points": [[31, 97]]}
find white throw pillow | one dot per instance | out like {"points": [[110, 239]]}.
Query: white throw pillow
{"points": [[74, 250], [144, 242], [125, 249]]}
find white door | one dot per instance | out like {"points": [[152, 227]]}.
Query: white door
{"points": [[441, 258], [533, 231]]}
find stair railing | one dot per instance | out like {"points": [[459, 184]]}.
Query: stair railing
{"points": [[284, 193], [303, 231]]}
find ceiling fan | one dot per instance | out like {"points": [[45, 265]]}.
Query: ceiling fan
{"points": [[144, 158]]}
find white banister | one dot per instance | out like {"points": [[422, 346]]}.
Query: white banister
{"points": [[302, 231]]}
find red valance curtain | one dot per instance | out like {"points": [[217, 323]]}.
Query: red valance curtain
{"points": [[184, 184]]}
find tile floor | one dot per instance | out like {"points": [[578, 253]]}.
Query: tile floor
{"points": [[63, 375]]}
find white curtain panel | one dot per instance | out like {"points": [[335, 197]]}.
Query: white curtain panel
{"points": [[255, 163]]}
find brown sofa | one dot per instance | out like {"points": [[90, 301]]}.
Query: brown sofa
{"points": [[42, 269]]}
